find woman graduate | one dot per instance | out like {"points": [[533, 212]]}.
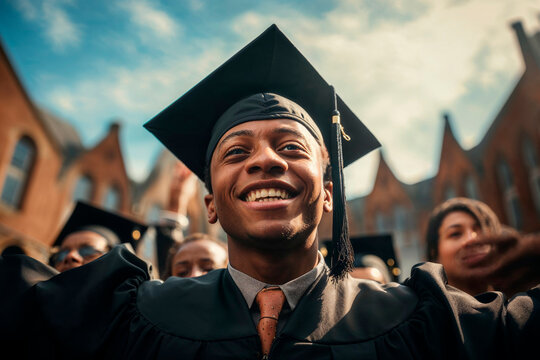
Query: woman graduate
{"points": [[262, 130]]}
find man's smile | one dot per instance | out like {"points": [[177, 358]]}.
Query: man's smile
{"points": [[271, 194], [268, 191]]}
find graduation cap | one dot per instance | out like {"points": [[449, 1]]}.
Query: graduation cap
{"points": [[258, 81], [112, 226], [380, 245]]}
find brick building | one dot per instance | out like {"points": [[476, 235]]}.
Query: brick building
{"points": [[503, 170], [44, 169]]}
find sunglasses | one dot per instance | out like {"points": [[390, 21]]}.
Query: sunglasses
{"points": [[85, 252]]}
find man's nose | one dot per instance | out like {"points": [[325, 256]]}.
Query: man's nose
{"points": [[266, 159], [196, 271], [73, 257]]}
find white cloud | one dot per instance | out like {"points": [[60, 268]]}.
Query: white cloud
{"points": [[147, 17], [399, 74], [26, 8], [64, 100], [59, 28], [134, 94]]}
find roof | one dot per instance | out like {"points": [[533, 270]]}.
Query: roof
{"points": [[64, 134], [164, 163]]}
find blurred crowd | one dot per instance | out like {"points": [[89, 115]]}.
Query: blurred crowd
{"points": [[477, 252]]}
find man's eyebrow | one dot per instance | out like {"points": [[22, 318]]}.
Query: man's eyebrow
{"points": [[284, 130], [235, 134]]}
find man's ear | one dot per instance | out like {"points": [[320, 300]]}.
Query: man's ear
{"points": [[328, 199], [210, 208]]}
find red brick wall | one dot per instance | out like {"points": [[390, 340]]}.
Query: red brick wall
{"points": [[36, 217]]}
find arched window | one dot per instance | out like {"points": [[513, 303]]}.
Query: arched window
{"points": [[83, 189], [533, 167], [18, 173], [471, 190], [510, 195], [112, 199]]}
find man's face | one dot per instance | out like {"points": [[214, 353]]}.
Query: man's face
{"points": [[197, 258], [80, 248], [268, 188]]}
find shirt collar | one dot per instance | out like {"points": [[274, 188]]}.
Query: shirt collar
{"points": [[293, 290]]}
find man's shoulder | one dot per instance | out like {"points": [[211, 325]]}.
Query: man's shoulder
{"points": [[352, 310], [182, 290], [208, 307]]}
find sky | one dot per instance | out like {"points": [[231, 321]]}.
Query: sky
{"points": [[398, 64]]}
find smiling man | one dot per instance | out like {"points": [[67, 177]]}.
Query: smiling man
{"points": [[269, 174], [262, 131]]}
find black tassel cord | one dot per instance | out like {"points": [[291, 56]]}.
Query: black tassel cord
{"points": [[342, 252]]}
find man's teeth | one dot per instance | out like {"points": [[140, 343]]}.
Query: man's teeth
{"points": [[267, 195]]}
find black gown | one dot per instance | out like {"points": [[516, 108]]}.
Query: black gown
{"points": [[111, 309]]}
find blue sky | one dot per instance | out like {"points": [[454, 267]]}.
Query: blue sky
{"points": [[398, 64]]}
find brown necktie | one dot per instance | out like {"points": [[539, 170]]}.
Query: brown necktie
{"points": [[270, 301]]}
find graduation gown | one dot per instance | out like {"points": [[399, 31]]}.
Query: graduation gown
{"points": [[111, 309]]}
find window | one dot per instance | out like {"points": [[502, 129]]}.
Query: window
{"points": [[18, 173], [471, 190], [449, 192], [400, 218], [83, 189], [510, 195], [380, 222], [153, 214], [400, 225], [112, 199], [533, 167]]}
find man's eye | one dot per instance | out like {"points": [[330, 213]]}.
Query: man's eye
{"points": [[235, 151], [291, 147]]}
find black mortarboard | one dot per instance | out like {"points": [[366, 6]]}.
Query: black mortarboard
{"points": [[381, 245], [88, 217], [269, 64]]}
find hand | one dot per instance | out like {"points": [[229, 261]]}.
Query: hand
{"points": [[181, 174], [513, 264]]}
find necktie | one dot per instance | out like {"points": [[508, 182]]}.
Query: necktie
{"points": [[270, 301]]}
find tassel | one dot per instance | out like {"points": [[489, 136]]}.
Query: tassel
{"points": [[342, 252]]}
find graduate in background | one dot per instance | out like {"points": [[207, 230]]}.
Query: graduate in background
{"points": [[89, 233], [467, 238], [196, 255]]}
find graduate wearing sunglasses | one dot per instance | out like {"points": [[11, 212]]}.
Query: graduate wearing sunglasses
{"points": [[89, 233]]}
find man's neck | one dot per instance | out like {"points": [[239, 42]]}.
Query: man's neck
{"points": [[273, 267]]}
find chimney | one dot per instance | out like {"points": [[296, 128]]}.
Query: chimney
{"points": [[529, 57], [114, 126]]}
